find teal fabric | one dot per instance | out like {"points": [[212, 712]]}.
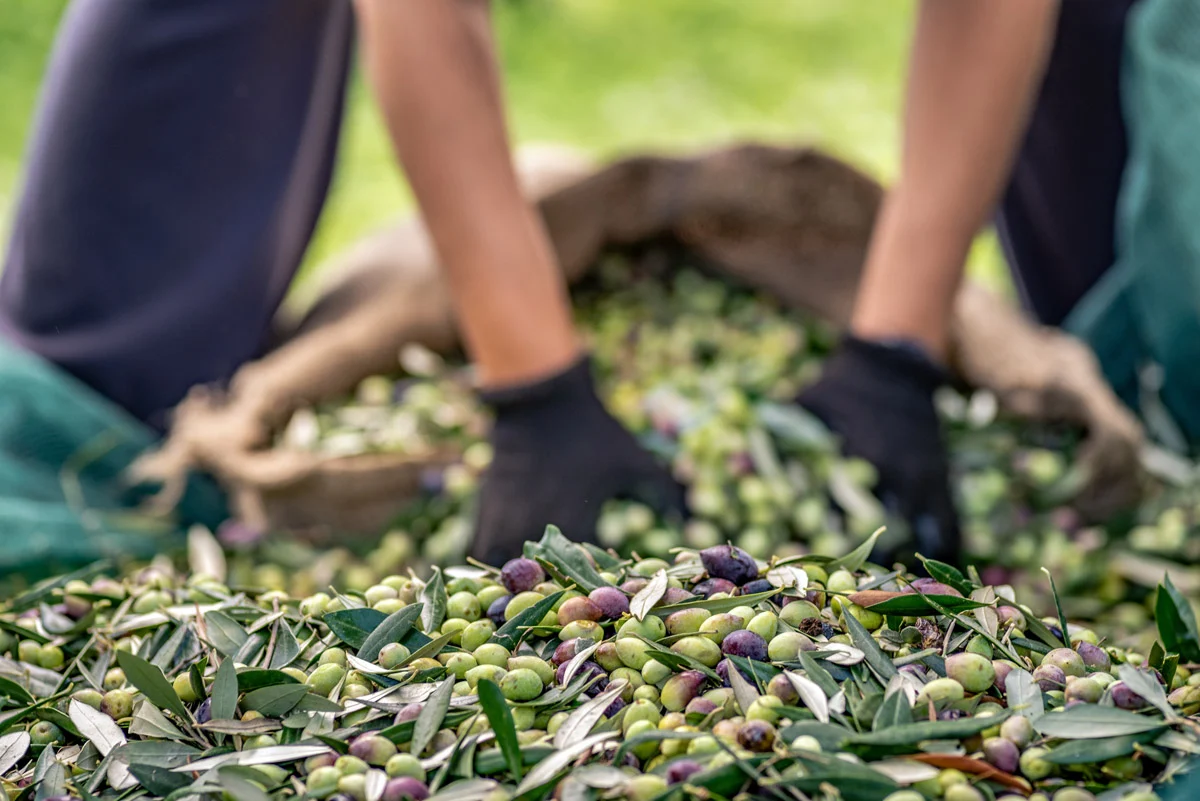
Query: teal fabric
{"points": [[1146, 311], [63, 450]]}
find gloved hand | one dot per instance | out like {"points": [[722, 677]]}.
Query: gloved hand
{"points": [[879, 399], [558, 456]]}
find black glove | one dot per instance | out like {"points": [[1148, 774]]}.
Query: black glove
{"points": [[879, 399], [558, 456]]}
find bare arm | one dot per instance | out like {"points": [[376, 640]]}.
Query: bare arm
{"points": [[432, 64], [974, 72]]}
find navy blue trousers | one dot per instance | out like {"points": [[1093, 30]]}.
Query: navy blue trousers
{"points": [[180, 159], [183, 150]]}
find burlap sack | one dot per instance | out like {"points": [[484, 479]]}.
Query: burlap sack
{"points": [[793, 222]]}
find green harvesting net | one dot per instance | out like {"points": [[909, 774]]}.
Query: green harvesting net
{"points": [[63, 449], [1146, 312]]}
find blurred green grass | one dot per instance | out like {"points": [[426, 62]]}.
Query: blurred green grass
{"points": [[609, 76]]}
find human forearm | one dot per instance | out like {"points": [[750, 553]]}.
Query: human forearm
{"points": [[974, 72], [433, 69]]}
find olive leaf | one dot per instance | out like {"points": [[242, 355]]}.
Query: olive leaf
{"points": [[947, 574], [512, 632], [580, 723], [1082, 752], [431, 716], [268, 755], [1062, 616], [434, 601], [894, 711], [715, 605], [1024, 694], [567, 558], [240, 788], [1146, 685], [206, 557], [257, 678], [152, 684], [875, 657], [99, 729], [224, 633], [811, 694], [910, 604], [859, 556], [13, 747], [795, 426], [353, 626], [853, 781], [149, 722], [287, 648], [276, 700], [392, 629], [1177, 622], [906, 738], [561, 759], [495, 706], [819, 675], [225, 691], [641, 603], [49, 776], [576, 662], [745, 692], [788, 577], [1091, 722]]}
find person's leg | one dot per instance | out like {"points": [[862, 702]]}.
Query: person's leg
{"points": [[1057, 218], [180, 160]]}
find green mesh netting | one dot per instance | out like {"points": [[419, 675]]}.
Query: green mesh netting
{"points": [[1146, 311], [63, 449]]}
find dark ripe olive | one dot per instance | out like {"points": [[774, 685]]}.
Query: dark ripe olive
{"points": [[745, 643], [612, 602], [681, 770], [714, 585], [730, 563], [495, 611], [521, 575]]}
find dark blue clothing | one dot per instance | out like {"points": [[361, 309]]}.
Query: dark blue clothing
{"points": [[1057, 220], [179, 162]]}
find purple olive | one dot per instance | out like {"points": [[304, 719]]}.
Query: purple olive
{"points": [[927, 586], [612, 602], [758, 585], [1002, 668], [681, 770], [565, 651], [408, 712], [730, 563], [495, 612], [701, 706], [951, 714], [1049, 677], [616, 706], [634, 585], [579, 609], [521, 575], [1002, 753], [745, 643], [676, 595], [723, 668], [405, 788], [1125, 698], [204, 711], [1095, 657], [714, 585]]}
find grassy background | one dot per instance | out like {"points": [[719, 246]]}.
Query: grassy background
{"points": [[611, 76]]}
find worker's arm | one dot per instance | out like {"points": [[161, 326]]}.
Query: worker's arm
{"points": [[975, 69], [558, 454], [433, 70]]}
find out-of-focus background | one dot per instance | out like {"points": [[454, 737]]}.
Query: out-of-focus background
{"points": [[606, 75]]}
